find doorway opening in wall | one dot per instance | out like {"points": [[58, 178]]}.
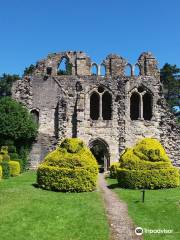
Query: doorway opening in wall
{"points": [[100, 150]]}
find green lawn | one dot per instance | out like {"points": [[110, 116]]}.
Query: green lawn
{"points": [[161, 209], [30, 213]]}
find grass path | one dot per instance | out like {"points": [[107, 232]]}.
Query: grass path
{"points": [[30, 213], [161, 209]]}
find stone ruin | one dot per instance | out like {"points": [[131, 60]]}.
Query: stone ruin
{"points": [[111, 105]]}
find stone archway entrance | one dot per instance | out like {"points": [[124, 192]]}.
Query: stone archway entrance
{"points": [[100, 150]]}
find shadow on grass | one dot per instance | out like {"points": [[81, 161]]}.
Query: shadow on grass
{"points": [[113, 186]]}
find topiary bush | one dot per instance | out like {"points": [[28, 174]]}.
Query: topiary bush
{"points": [[14, 168], [113, 169], [4, 153], [147, 165], [71, 167]]}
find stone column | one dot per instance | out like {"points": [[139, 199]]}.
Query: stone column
{"points": [[100, 107], [141, 107]]}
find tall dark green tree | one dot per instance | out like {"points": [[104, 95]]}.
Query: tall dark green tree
{"points": [[170, 77], [6, 81], [16, 123], [29, 70]]}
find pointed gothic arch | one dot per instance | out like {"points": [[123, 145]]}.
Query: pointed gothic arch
{"points": [[134, 106], [100, 150], [106, 106], [94, 105]]}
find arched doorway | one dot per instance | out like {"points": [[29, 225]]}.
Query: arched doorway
{"points": [[100, 150]]}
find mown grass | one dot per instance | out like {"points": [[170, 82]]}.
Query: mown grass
{"points": [[161, 209], [31, 213]]}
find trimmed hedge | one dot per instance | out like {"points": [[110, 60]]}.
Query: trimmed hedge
{"points": [[113, 169], [148, 179], [71, 167], [0, 172], [14, 168], [147, 166]]}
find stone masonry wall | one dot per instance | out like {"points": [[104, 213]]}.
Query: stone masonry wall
{"points": [[63, 104]]}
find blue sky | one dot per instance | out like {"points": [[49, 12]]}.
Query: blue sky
{"points": [[30, 29]]}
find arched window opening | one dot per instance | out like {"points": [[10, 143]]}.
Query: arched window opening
{"points": [[49, 70], [106, 106], [136, 70], [147, 106], [56, 121], [103, 70], [94, 106], [35, 115], [94, 69], [127, 70], [134, 106], [65, 67]]}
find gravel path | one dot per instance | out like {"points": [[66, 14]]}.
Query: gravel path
{"points": [[121, 225]]}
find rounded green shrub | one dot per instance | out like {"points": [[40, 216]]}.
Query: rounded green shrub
{"points": [[71, 167], [0, 172], [14, 168], [113, 169], [147, 165]]}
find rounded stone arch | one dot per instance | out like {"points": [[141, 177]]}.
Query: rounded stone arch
{"points": [[136, 70], [128, 70], [35, 114], [64, 66], [100, 150], [94, 69], [103, 69]]}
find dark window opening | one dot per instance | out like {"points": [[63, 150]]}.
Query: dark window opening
{"points": [[134, 106], [94, 106], [49, 70], [107, 106], [79, 87], [147, 106], [65, 67], [35, 116]]}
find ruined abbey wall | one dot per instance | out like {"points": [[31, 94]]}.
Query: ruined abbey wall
{"points": [[63, 104]]}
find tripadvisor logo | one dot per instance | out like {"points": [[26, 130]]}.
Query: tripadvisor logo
{"points": [[139, 231]]}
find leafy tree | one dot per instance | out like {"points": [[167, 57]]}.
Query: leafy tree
{"points": [[6, 81], [170, 77], [29, 70], [16, 122]]}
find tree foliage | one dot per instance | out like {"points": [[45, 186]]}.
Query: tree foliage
{"points": [[29, 70], [6, 81], [170, 77], [15, 122]]}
